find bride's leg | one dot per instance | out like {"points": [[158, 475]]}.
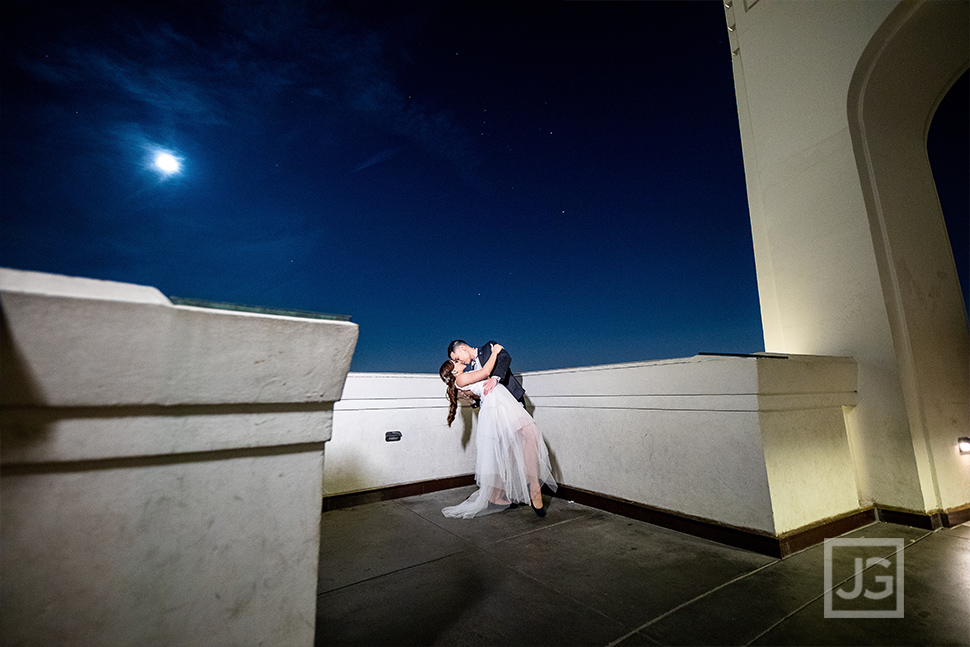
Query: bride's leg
{"points": [[498, 495], [531, 457]]}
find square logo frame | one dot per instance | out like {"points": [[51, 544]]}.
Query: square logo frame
{"points": [[872, 562]]}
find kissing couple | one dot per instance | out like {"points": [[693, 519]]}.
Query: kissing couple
{"points": [[512, 462]]}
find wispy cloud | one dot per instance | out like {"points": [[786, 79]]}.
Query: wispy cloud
{"points": [[233, 64], [374, 160], [372, 90], [209, 80]]}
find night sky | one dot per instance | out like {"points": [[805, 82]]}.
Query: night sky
{"points": [[565, 178]]}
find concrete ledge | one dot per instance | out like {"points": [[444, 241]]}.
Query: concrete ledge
{"points": [[44, 435], [110, 344], [162, 466]]}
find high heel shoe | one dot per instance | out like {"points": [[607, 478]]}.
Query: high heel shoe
{"points": [[540, 511]]}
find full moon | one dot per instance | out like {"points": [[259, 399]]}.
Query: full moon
{"points": [[166, 163]]}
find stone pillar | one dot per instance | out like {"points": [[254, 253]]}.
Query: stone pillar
{"points": [[162, 466], [834, 101]]}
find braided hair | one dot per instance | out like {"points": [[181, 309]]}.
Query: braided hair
{"points": [[445, 372]]}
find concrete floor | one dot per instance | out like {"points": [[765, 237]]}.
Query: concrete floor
{"points": [[399, 573]]}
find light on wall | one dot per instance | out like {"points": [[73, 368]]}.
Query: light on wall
{"points": [[964, 445]]}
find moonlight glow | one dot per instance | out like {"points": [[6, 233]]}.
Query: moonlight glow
{"points": [[166, 163]]}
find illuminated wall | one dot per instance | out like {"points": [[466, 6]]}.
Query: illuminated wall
{"points": [[834, 101]]}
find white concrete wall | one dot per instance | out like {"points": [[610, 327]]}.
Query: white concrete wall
{"points": [[161, 468], [757, 443], [826, 286], [358, 457], [910, 63], [810, 466]]}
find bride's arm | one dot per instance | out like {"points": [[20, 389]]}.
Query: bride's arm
{"points": [[464, 379]]}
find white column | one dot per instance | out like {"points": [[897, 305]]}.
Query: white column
{"points": [[162, 466], [851, 256]]}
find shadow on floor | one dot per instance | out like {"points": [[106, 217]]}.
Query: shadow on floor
{"points": [[399, 573]]}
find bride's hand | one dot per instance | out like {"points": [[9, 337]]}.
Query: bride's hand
{"points": [[497, 348], [490, 384]]}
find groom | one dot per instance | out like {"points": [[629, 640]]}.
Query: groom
{"points": [[475, 358]]}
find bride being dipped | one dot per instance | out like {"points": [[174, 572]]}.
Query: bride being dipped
{"points": [[512, 462]]}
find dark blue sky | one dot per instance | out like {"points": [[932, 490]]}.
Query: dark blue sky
{"points": [[565, 178]]}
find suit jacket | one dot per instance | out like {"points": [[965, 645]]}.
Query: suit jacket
{"points": [[502, 370]]}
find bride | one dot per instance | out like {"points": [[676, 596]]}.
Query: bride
{"points": [[512, 463]]}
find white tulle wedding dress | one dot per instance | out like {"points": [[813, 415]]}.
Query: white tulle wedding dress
{"points": [[511, 456]]}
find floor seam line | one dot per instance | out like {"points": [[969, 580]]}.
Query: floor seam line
{"points": [[433, 523], [834, 587], [540, 529], [691, 601], [549, 587], [396, 570], [465, 542], [481, 549], [737, 579]]}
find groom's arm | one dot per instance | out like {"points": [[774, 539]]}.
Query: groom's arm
{"points": [[502, 362]]}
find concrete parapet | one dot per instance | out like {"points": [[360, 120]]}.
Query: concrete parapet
{"points": [[162, 466], [757, 443], [731, 440]]}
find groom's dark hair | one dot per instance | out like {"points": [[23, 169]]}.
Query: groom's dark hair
{"points": [[451, 346]]}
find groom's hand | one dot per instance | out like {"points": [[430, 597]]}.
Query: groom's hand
{"points": [[489, 385]]}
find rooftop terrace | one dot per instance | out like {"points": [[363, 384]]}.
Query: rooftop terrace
{"points": [[163, 465], [399, 573]]}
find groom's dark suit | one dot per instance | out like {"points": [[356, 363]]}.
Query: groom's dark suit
{"points": [[502, 370]]}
